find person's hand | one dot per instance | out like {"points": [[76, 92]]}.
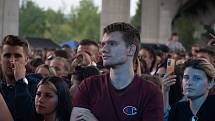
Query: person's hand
{"points": [[85, 116], [167, 81], [19, 70], [82, 58]]}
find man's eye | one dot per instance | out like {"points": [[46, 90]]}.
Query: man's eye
{"points": [[185, 77], [112, 43], [6, 55], [197, 78], [48, 96], [18, 55], [38, 94]]}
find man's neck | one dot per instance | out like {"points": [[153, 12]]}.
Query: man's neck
{"points": [[10, 80], [195, 104], [122, 76]]}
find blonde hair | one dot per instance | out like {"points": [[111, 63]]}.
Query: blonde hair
{"points": [[202, 64]]}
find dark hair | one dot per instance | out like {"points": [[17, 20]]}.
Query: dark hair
{"points": [[152, 55], [130, 34], [14, 40], [64, 106], [88, 42], [36, 62], [154, 79], [208, 49], [174, 34], [82, 72], [62, 53]]}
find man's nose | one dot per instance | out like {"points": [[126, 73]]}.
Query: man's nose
{"points": [[12, 59], [104, 49], [41, 98], [189, 82]]}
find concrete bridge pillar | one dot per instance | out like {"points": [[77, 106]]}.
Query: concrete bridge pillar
{"points": [[150, 21], [168, 9], [114, 11], [9, 17]]}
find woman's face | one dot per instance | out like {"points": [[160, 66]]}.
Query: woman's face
{"points": [[145, 55], [46, 100], [195, 83]]}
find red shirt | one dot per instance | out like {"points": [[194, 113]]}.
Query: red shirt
{"points": [[139, 101]]}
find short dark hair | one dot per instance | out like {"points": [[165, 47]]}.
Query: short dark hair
{"points": [[130, 34], [83, 72], [62, 53], [88, 42], [208, 49], [64, 106], [174, 34], [14, 40]]}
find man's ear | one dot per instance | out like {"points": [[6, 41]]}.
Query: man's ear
{"points": [[211, 84], [131, 50], [26, 60]]}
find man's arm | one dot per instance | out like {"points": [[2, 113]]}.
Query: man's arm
{"points": [[24, 101], [82, 114], [153, 110], [5, 113]]}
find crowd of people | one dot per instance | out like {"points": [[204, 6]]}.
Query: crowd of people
{"points": [[113, 80]]}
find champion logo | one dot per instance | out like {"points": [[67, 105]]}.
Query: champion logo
{"points": [[130, 110]]}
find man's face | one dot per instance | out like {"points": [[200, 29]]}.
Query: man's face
{"points": [[194, 50], [11, 54], [204, 55], [92, 49], [114, 49], [58, 68]]}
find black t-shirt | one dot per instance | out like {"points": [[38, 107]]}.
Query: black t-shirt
{"points": [[181, 111]]}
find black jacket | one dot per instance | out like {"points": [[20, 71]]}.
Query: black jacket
{"points": [[20, 98], [181, 111]]}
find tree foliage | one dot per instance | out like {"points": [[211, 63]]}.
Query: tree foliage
{"points": [[136, 19], [185, 29], [31, 20], [82, 22], [86, 20]]}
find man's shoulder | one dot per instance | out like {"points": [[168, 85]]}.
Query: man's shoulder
{"points": [[33, 78], [96, 82], [148, 88], [145, 83], [97, 78]]}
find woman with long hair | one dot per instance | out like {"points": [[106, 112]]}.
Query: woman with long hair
{"points": [[53, 100]]}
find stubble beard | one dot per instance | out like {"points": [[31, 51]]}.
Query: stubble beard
{"points": [[113, 65]]}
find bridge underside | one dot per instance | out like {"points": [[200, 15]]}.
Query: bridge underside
{"points": [[156, 19]]}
